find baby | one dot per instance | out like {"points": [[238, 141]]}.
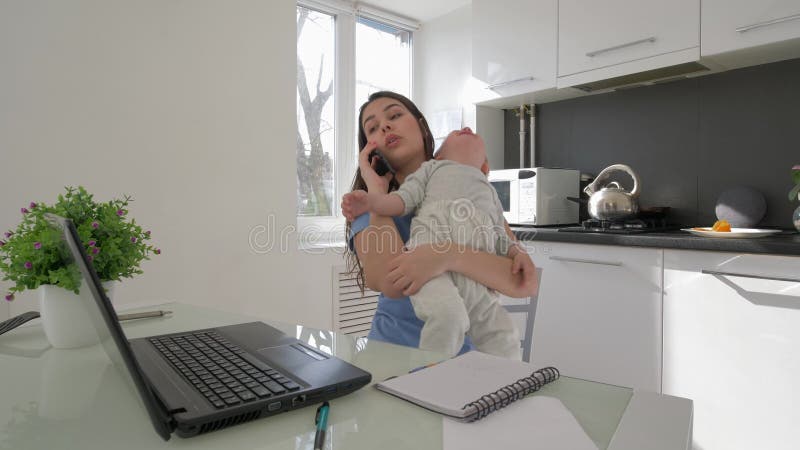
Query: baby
{"points": [[454, 203]]}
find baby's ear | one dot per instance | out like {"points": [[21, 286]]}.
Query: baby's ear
{"points": [[485, 167]]}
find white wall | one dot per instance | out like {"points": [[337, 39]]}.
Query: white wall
{"points": [[187, 105]]}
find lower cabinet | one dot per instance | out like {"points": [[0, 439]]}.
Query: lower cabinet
{"points": [[729, 330], [599, 313], [732, 344]]}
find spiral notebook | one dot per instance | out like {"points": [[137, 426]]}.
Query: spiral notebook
{"points": [[470, 386]]}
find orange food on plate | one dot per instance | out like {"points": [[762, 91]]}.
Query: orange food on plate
{"points": [[721, 225]]}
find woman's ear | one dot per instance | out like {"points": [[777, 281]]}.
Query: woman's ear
{"points": [[423, 126]]}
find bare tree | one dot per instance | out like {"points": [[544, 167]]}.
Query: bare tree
{"points": [[316, 166]]}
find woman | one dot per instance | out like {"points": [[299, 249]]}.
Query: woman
{"points": [[392, 124]]}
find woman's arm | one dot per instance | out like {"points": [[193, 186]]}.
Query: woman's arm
{"points": [[513, 277], [380, 242], [410, 270], [377, 246]]}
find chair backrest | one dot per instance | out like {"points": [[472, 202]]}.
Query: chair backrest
{"points": [[530, 310]]}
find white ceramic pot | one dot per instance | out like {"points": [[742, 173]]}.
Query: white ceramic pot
{"points": [[65, 318]]}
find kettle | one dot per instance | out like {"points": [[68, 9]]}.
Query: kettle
{"points": [[613, 202]]}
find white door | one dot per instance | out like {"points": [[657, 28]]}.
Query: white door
{"points": [[599, 313], [732, 344], [514, 44], [597, 34], [736, 24]]}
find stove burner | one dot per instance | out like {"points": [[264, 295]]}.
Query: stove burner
{"points": [[629, 226]]}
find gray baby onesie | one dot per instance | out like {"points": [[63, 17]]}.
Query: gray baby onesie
{"points": [[455, 203]]}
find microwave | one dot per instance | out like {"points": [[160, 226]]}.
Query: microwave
{"points": [[537, 195]]}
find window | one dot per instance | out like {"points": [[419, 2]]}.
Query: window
{"points": [[343, 55], [315, 118], [383, 59]]}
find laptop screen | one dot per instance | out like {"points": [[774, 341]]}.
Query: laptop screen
{"points": [[105, 321]]}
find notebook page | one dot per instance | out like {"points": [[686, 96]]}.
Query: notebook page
{"points": [[535, 422], [448, 386]]}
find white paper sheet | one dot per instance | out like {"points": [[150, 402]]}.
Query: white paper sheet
{"points": [[535, 422]]}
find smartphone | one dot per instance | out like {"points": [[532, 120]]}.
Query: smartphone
{"points": [[383, 166]]}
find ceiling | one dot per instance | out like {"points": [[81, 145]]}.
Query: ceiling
{"points": [[420, 10]]}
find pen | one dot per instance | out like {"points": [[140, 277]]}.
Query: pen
{"points": [[143, 315], [322, 423], [417, 369]]}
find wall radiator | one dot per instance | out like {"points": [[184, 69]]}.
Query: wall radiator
{"points": [[352, 310]]}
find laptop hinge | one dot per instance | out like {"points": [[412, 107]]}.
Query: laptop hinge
{"points": [[166, 415]]}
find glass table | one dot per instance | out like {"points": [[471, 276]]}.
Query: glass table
{"points": [[69, 399]]}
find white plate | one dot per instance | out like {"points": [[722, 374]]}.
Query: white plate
{"points": [[734, 233]]}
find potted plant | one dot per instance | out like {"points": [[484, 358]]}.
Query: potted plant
{"points": [[795, 194], [31, 257]]}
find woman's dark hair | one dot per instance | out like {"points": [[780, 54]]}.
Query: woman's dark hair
{"points": [[353, 264]]}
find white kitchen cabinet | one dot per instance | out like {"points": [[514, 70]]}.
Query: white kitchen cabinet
{"points": [[732, 344], [514, 45], [729, 25], [599, 313], [604, 39]]}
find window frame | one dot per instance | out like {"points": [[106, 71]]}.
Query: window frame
{"points": [[328, 231]]}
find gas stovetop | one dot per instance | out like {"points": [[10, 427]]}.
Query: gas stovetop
{"points": [[630, 226]]}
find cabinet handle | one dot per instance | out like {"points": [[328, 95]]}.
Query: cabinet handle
{"points": [[767, 23], [744, 275], [506, 83], [617, 47], [586, 261]]}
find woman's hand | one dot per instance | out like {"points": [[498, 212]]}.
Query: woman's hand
{"points": [[413, 268], [375, 182], [523, 268]]}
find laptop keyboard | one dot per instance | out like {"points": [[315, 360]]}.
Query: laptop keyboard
{"points": [[224, 373]]}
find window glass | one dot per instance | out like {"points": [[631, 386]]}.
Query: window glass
{"points": [[316, 133], [383, 60]]}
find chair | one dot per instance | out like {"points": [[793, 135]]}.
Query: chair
{"points": [[529, 309]]}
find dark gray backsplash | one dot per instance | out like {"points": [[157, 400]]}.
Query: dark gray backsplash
{"points": [[688, 140]]}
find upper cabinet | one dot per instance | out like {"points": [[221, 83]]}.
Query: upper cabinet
{"points": [[733, 25], [514, 45], [603, 39], [539, 51]]}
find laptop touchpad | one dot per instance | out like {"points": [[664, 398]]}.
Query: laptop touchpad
{"points": [[289, 355]]}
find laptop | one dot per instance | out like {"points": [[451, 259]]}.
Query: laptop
{"points": [[199, 381]]}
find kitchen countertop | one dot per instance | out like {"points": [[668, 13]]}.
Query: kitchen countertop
{"points": [[786, 243]]}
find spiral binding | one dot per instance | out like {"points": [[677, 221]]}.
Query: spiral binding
{"points": [[511, 393]]}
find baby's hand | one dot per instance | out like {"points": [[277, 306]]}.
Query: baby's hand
{"points": [[354, 204]]}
